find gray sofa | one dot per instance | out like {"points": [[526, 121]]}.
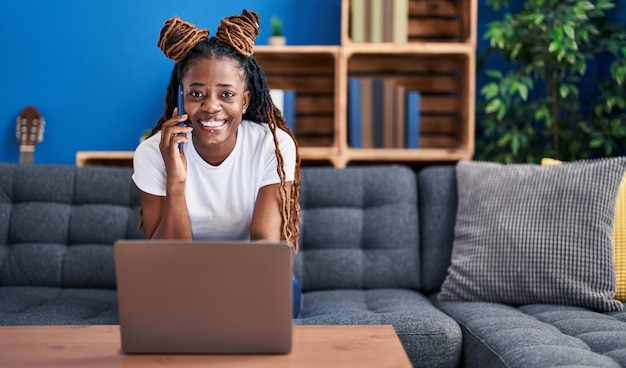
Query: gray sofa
{"points": [[376, 244]]}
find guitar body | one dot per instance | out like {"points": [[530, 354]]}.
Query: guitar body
{"points": [[29, 131]]}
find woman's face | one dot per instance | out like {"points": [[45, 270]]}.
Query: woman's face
{"points": [[215, 99]]}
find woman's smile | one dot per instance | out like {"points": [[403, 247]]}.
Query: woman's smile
{"points": [[213, 123]]}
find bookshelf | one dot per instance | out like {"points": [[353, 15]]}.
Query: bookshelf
{"points": [[311, 71], [438, 59]]}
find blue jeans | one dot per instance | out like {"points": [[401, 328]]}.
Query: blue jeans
{"points": [[297, 297]]}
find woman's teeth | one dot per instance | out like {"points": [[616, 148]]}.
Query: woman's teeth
{"points": [[212, 123]]}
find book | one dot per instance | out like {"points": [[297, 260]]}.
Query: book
{"points": [[357, 20], [367, 20], [378, 112], [278, 97], [376, 21], [400, 31], [412, 118], [399, 116], [285, 101], [289, 108], [354, 112], [388, 20], [389, 123], [366, 113]]}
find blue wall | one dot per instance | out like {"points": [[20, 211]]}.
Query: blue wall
{"points": [[94, 71]]}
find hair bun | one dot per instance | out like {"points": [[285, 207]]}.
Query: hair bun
{"points": [[177, 37], [240, 31]]}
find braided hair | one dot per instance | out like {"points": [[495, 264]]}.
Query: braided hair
{"points": [[184, 43]]}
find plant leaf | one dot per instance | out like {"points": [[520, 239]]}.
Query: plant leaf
{"points": [[569, 31], [596, 142]]}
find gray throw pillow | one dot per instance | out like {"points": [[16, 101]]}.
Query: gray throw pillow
{"points": [[529, 234]]}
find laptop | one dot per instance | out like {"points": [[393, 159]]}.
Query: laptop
{"points": [[196, 297]]}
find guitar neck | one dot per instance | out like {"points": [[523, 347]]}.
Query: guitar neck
{"points": [[27, 157]]}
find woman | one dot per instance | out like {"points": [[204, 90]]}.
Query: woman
{"points": [[236, 174]]}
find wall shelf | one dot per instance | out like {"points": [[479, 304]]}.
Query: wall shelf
{"points": [[439, 63]]}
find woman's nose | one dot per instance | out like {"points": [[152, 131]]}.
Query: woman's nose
{"points": [[211, 104]]}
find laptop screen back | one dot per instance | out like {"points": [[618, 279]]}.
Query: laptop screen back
{"points": [[204, 297]]}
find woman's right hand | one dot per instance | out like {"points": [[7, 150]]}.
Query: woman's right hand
{"points": [[172, 134]]}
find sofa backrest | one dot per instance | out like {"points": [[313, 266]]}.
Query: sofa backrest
{"points": [[437, 194], [360, 226], [359, 229], [58, 223]]}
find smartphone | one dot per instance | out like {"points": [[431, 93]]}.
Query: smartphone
{"points": [[181, 100], [181, 110]]}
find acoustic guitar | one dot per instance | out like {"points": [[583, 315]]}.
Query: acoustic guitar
{"points": [[29, 131]]}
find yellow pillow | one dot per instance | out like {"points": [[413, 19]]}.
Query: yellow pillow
{"points": [[619, 235]]}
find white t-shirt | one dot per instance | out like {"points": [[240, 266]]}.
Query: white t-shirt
{"points": [[220, 199]]}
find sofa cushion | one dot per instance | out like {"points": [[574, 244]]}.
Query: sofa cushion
{"points": [[531, 234], [619, 235], [359, 229], [539, 335], [429, 336], [58, 223], [437, 215], [42, 305]]}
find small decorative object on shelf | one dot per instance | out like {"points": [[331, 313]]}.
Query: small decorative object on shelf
{"points": [[277, 38]]}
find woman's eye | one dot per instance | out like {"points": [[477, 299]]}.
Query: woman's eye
{"points": [[228, 94], [195, 94]]}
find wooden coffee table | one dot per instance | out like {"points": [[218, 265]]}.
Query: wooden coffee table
{"points": [[99, 346]]}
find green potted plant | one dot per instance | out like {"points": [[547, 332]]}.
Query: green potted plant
{"points": [[277, 38], [548, 103]]}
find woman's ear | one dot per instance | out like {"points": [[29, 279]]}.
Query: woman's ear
{"points": [[246, 101]]}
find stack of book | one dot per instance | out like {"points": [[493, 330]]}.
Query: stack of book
{"points": [[382, 114], [379, 21]]}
